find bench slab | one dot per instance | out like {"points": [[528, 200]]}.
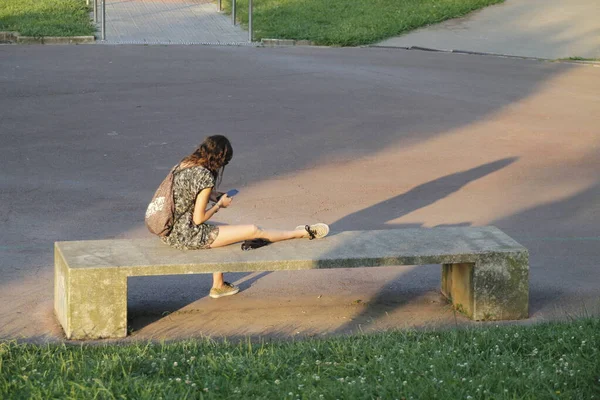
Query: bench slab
{"points": [[485, 273]]}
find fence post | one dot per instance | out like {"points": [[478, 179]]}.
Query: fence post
{"points": [[219, 6], [233, 12], [103, 19], [95, 11], [250, 21]]}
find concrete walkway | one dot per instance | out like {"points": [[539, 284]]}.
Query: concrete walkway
{"points": [[548, 29], [169, 22]]}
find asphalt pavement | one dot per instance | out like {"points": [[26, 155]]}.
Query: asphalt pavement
{"points": [[360, 138]]}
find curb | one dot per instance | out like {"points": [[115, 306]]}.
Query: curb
{"points": [[15, 38], [480, 53], [284, 42]]}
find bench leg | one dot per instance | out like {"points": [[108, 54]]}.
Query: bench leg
{"points": [[495, 288], [91, 304]]}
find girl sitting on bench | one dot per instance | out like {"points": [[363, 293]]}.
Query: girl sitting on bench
{"points": [[194, 185]]}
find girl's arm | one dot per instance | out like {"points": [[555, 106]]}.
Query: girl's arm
{"points": [[214, 194], [201, 214]]}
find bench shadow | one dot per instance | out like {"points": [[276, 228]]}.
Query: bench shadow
{"points": [[151, 298]]}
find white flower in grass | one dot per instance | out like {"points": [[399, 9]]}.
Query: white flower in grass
{"points": [[205, 389], [175, 364], [277, 381], [178, 379], [404, 383], [316, 377]]}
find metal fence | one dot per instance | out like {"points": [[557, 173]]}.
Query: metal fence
{"points": [[102, 13], [233, 15]]}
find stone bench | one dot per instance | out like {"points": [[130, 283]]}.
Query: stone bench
{"points": [[485, 273]]}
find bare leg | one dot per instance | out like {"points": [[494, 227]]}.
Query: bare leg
{"points": [[217, 280], [229, 234]]}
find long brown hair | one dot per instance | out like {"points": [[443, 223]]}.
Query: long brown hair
{"points": [[214, 153]]}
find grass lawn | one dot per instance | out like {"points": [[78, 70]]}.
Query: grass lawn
{"points": [[46, 17], [332, 22], [347, 22], [546, 361]]}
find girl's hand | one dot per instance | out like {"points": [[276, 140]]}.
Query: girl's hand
{"points": [[225, 201]]}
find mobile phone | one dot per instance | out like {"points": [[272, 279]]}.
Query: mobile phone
{"points": [[230, 193]]}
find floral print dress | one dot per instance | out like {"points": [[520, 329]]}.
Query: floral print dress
{"points": [[186, 235]]}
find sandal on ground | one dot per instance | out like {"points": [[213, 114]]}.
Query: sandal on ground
{"points": [[316, 231]]}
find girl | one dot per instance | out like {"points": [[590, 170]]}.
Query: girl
{"points": [[194, 185]]}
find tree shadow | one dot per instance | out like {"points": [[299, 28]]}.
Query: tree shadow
{"points": [[377, 216]]}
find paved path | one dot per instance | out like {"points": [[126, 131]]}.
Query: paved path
{"points": [[360, 138], [548, 29], [169, 22]]}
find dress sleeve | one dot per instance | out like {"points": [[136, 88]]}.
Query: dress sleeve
{"points": [[201, 179]]}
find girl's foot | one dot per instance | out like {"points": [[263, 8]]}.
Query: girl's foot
{"points": [[226, 290], [316, 231]]}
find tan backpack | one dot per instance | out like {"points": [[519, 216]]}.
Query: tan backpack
{"points": [[161, 210]]}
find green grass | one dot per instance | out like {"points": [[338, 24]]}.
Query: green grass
{"points": [[546, 361], [46, 17], [347, 22]]}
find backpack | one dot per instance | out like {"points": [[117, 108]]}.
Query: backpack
{"points": [[161, 210]]}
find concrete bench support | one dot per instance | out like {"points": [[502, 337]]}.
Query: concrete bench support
{"points": [[492, 290], [485, 273]]}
